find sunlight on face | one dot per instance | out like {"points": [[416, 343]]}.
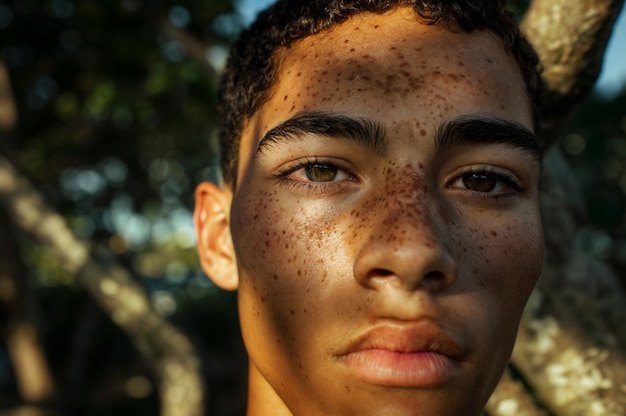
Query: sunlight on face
{"points": [[386, 222]]}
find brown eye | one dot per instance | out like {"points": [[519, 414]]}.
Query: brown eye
{"points": [[320, 173], [479, 182]]}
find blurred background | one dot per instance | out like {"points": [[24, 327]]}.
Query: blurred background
{"points": [[116, 124]]}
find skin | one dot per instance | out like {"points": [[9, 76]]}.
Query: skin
{"points": [[398, 244]]}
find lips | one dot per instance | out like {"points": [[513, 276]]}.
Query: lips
{"points": [[419, 355]]}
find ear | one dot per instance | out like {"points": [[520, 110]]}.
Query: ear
{"points": [[211, 219]]}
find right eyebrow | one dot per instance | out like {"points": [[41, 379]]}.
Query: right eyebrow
{"points": [[365, 132], [479, 130]]}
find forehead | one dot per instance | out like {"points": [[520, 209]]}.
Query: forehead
{"points": [[393, 68]]}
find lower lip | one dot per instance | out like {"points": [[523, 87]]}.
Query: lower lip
{"points": [[401, 369]]}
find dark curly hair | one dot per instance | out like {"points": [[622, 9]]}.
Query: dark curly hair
{"points": [[251, 69]]}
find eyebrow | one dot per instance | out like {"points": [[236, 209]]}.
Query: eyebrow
{"points": [[474, 130], [365, 132]]}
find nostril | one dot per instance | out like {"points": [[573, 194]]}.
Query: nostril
{"points": [[380, 273], [434, 281], [434, 276]]}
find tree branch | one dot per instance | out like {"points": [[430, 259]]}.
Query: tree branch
{"points": [[570, 38], [166, 349]]}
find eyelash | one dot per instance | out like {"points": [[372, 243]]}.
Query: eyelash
{"points": [[319, 187], [508, 180]]}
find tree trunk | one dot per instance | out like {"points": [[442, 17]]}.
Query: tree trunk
{"points": [[570, 37]]}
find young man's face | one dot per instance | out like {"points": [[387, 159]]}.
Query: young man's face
{"points": [[385, 222]]}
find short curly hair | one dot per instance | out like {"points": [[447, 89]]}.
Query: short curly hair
{"points": [[251, 69]]}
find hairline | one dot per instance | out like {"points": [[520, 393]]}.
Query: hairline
{"points": [[278, 56]]}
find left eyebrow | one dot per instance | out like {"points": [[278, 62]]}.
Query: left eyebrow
{"points": [[365, 132], [468, 130]]}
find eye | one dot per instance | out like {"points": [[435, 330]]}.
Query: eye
{"points": [[316, 175], [488, 181], [321, 173], [479, 182], [315, 172]]}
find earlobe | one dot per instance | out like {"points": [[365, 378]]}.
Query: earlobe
{"points": [[212, 224]]}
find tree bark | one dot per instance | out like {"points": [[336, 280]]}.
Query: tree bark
{"points": [[570, 37]]}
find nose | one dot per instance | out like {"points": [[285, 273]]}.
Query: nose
{"points": [[408, 248]]}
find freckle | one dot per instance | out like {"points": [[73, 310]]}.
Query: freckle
{"points": [[293, 312], [275, 277], [351, 49], [423, 132], [493, 233], [346, 41], [285, 98], [263, 299]]}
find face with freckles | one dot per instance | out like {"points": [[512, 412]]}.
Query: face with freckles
{"points": [[385, 222]]}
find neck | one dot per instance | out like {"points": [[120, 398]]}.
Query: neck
{"points": [[262, 399]]}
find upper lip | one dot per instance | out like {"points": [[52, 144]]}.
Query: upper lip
{"points": [[422, 336]]}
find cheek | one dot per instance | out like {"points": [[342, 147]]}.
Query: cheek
{"points": [[506, 256], [281, 253]]}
